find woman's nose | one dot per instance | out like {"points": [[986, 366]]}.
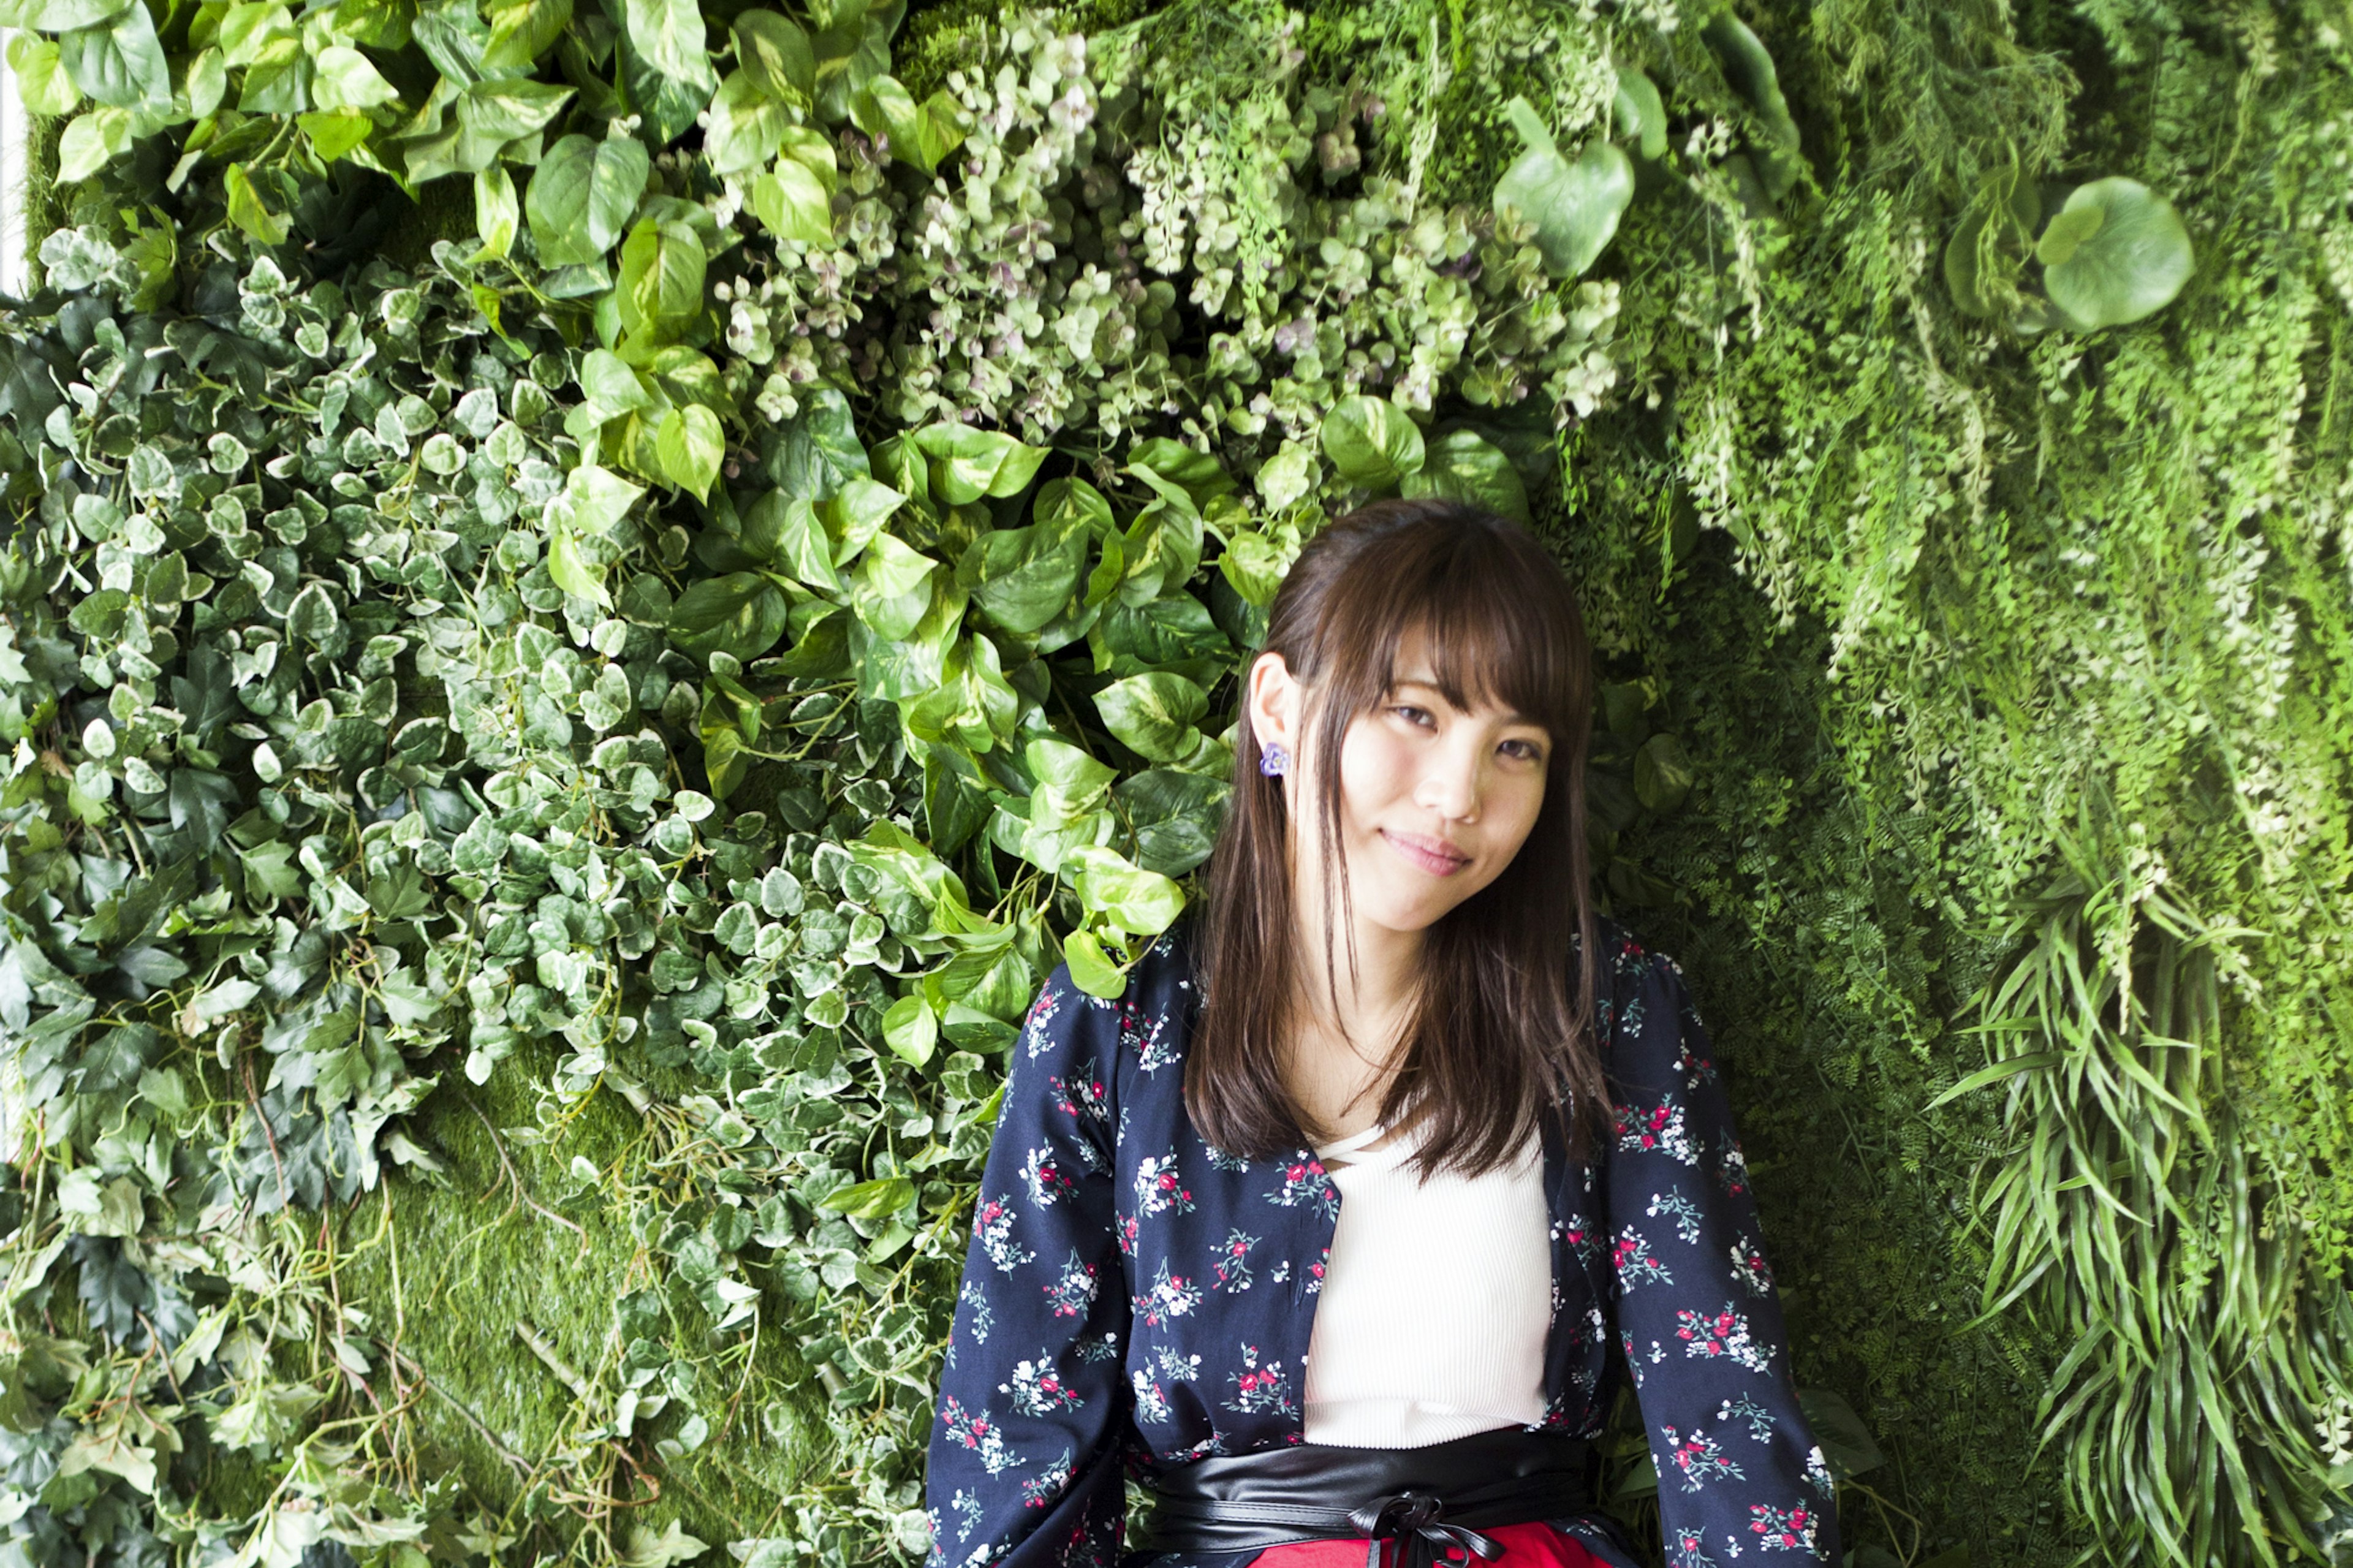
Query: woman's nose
{"points": [[1450, 786]]}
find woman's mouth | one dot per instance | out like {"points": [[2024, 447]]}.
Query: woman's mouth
{"points": [[1431, 855]]}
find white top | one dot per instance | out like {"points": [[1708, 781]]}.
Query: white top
{"points": [[1436, 1301]]}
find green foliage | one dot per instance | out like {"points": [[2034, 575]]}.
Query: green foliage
{"points": [[613, 716]]}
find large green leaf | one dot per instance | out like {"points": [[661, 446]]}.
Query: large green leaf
{"points": [[1372, 442], [662, 267], [1748, 68], [58, 16], [669, 36], [968, 463], [746, 125], [2117, 252], [120, 62], [1574, 206], [1463, 466], [581, 197], [1154, 714], [773, 50]]}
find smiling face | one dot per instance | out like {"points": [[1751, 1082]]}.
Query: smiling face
{"points": [[1435, 799]]}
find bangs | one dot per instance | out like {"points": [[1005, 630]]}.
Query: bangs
{"points": [[1498, 624]]}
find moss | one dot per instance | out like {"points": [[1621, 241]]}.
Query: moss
{"points": [[474, 1260]]}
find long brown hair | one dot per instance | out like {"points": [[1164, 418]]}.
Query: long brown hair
{"points": [[1500, 1031]]}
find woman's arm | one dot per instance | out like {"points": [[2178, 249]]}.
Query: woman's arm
{"points": [[1738, 1468], [1025, 1463]]}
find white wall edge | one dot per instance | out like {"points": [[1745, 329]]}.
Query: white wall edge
{"points": [[16, 170]]}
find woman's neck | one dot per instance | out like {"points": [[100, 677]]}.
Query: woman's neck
{"points": [[1366, 1003]]}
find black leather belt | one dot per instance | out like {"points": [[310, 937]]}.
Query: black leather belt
{"points": [[1425, 1500]]}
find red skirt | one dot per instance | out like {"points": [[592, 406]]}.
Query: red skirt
{"points": [[1532, 1545]]}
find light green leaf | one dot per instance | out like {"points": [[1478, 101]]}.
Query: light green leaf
{"points": [[246, 209], [892, 587], [1642, 113], [1574, 206], [773, 49], [910, 1029], [744, 127], [90, 140], [571, 569], [668, 35], [342, 78], [120, 62], [60, 15], [791, 203], [968, 463], [662, 265], [595, 497], [1463, 466], [2115, 253], [1372, 441], [523, 30], [497, 211], [1091, 971], [1154, 714], [41, 76], [581, 198], [689, 445]]}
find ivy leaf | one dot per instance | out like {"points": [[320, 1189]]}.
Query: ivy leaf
{"points": [[342, 78], [745, 126], [1372, 442], [774, 51], [1574, 206], [1463, 466], [669, 36], [581, 198], [120, 62], [58, 16], [41, 76], [690, 446], [910, 1029], [246, 209], [1091, 971], [2115, 253], [1154, 715], [791, 203]]}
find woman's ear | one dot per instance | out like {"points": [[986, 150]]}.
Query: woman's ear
{"points": [[1271, 703]]}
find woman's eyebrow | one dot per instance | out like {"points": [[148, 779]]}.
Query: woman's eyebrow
{"points": [[1513, 717]]}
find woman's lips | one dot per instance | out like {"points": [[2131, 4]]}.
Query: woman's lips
{"points": [[1430, 854]]}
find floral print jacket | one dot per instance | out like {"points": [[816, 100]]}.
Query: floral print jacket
{"points": [[1135, 1299]]}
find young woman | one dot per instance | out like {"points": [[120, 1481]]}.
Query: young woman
{"points": [[1327, 1232]]}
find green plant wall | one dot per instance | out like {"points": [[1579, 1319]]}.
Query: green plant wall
{"points": [[595, 591]]}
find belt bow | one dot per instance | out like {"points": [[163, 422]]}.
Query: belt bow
{"points": [[1413, 1519]]}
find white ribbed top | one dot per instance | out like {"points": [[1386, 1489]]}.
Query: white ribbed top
{"points": [[1436, 1301]]}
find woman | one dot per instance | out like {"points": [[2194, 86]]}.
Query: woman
{"points": [[1385, 1001]]}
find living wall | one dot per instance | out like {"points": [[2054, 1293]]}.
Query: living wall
{"points": [[594, 592]]}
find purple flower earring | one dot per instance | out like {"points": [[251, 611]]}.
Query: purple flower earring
{"points": [[1273, 760]]}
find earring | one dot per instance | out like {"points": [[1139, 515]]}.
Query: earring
{"points": [[1273, 760]]}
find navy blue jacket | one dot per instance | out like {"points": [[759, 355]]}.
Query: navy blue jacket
{"points": [[1135, 1298]]}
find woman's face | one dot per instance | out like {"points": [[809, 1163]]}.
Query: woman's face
{"points": [[1434, 801]]}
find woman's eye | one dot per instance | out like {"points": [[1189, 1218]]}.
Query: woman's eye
{"points": [[1413, 715], [1527, 749]]}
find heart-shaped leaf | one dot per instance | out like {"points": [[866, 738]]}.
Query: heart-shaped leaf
{"points": [[1574, 206]]}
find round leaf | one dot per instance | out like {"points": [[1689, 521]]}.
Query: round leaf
{"points": [[2114, 253]]}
